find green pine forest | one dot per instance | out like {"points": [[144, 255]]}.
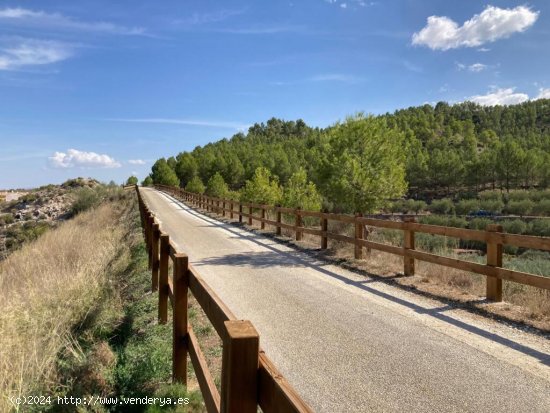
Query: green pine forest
{"points": [[430, 155]]}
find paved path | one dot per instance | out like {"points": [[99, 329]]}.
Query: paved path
{"points": [[353, 344]]}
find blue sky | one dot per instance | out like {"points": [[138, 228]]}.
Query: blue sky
{"points": [[102, 88]]}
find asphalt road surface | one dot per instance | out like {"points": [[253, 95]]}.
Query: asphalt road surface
{"points": [[348, 343]]}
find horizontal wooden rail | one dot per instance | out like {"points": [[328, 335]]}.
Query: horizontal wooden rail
{"points": [[494, 238], [249, 378]]}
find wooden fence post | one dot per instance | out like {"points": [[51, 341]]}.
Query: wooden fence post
{"points": [[262, 226], [179, 318], [240, 212], [279, 215], [150, 220], [408, 244], [358, 236], [223, 208], [250, 215], [163, 277], [494, 259], [324, 228], [298, 224], [240, 368], [231, 209], [155, 253]]}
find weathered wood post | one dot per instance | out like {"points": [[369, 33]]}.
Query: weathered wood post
{"points": [[179, 318], [150, 220], [249, 215], [223, 208], [155, 253], [358, 236], [298, 224], [279, 216], [324, 228], [231, 209], [240, 368], [163, 277], [408, 244], [240, 212], [262, 225], [494, 259]]}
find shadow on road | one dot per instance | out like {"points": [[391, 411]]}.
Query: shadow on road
{"points": [[275, 257]]}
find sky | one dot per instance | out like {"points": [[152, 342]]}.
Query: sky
{"points": [[102, 89]]}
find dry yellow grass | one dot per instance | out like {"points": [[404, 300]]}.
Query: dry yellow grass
{"points": [[46, 289]]}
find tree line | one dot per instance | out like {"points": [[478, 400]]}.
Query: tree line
{"points": [[365, 162]]}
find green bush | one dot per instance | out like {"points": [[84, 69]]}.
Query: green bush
{"points": [[435, 243], [195, 185], [457, 222], [495, 206], [466, 206], [417, 206], [523, 207], [542, 208], [540, 227], [301, 193], [490, 196], [216, 186], [442, 206], [516, 226], [84, 199], [6, 219], [518, 195], [479, 223], [263, 188]]}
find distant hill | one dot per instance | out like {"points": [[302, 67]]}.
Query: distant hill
{"points": [[448, 148]]}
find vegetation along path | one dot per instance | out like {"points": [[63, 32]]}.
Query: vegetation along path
{"points": [[352, 344]]}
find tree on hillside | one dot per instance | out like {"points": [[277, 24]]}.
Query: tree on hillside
{"points": [[216, 186], [163, 174], [364, 165], [195, 185], [132, 180], [186, 167], [263, 188], [301, 193], [509, 162], [148, 181]]}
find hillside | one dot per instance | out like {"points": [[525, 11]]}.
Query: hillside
{"points": [[33, 212], [444, 150]]}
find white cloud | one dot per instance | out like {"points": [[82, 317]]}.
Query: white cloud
{"points": [[343, 5], [500, 97], [544, 94], [189, 122], [443, 33], [75, 158], [476, 67], [136, 162], [28, 52], [41, 19]]}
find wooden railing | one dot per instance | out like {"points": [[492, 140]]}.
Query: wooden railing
{"points": [[493, 236], [248, 378]]}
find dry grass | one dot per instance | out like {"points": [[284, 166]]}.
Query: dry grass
{"points": [[49, 287]]}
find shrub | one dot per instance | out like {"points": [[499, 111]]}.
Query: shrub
{"points": [[479, 223], [542, 207], [466, 206], [442, 206], [148, 181], [457, 222], [7, 219], [216, 186], [195, 185], [84, 199], [495, 206], [518, 195], [490, 196], [540, 227], [132, 180], [299, 193], [417, 206], [516, 226], [433, 220], [523, 207], [262, 188]]}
